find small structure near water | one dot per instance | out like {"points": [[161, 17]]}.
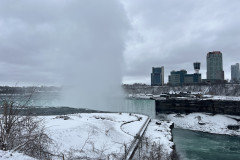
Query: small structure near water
{"points": [[233, 127]]}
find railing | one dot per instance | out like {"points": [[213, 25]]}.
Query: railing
{"points": [[133, 147]]}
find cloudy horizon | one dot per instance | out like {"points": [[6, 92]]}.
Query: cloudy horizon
{"points": [[37, 38]]}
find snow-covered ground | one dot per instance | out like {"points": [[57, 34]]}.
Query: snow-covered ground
{"points": [[216, 124], [98, 135], [191, 96], [9, 155], [228, 98], [105, 133], [93, 134], [160, 133], [140, 96]]}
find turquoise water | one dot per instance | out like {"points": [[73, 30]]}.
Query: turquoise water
{"points": [[193, 145], [35, 99], [141, 106], [190, 145]]}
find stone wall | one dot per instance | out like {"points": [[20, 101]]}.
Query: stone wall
{"points": [[190, 106]]}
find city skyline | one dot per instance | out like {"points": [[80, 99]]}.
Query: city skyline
{"points": [[174, 34], [49, 42], [227, 74], [215, 72]]}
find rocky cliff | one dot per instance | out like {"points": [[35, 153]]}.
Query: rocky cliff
{"points": [[190, 106]]}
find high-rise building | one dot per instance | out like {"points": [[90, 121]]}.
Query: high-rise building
{"points": [[157, 76], [215, 66], [235, 73]]}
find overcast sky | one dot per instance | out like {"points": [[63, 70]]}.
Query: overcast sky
{"points": [[42, 41], [174, 34]]}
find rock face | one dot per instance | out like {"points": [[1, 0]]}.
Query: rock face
{"points": [[233, 127], [190, 106]]}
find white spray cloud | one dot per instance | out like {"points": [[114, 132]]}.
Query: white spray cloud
{"points": [[76, 43], [93, 69]]}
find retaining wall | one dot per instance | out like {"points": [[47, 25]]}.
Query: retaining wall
{"points": [[190, 106]]}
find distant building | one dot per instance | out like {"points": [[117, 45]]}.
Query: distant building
{"points": [[192, 78], [177, 77], [215, 66], [181, 77], [235, 73], [196, 66], [157, 76]]}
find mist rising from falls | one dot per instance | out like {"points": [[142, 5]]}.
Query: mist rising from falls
{"points": [[94, 56], [77, 44]]}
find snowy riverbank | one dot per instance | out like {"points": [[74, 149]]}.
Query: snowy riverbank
{"points": [[99, 135], [190, 96], [217, 124], [160, 133]]}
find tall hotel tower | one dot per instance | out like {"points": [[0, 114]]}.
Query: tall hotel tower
{"points": [[215, 66], [157, 76], [235, 73]]}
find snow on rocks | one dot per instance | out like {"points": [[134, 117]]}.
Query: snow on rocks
{"points": [[9, 155], [224, 98], [160, 133], [140, 96], [217, 124]]}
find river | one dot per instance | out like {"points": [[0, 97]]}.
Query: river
{"points": [[190, 145], [193, 145]]}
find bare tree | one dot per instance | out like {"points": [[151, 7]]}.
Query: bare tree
{"points": [[150, 150], [20, 131]]}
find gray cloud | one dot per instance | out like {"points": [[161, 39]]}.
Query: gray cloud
{"points": [[75, 43], [175, 33], [39, 38], [43, 42]]}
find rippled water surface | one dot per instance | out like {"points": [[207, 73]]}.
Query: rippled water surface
{"points": [[204, 146]]}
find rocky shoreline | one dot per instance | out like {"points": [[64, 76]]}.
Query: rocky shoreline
{"points": [[204, 122]]}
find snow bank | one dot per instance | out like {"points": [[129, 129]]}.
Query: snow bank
{"points": [[226, 98], [140, 96], [9, 155], [160, 133], [98, 135], [89, 134], [206, 123], [131, 128]]}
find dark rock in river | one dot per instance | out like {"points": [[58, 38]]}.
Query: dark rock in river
{"points": [[233, 127]]}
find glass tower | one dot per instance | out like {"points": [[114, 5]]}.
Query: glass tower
{"points": [[235, 73], [157, 76], [215, 66]]}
